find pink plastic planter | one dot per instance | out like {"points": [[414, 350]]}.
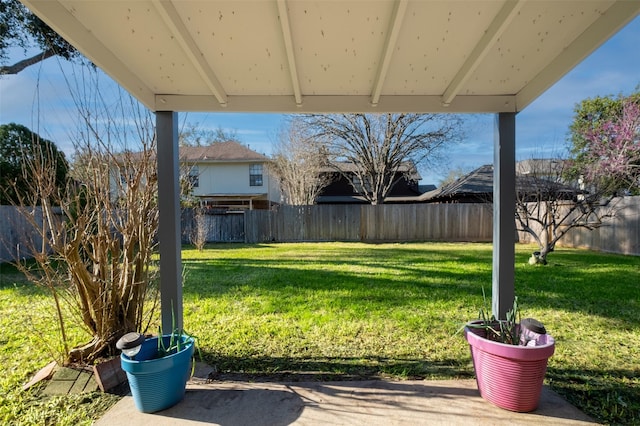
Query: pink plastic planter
{"points": [[509, 376]]}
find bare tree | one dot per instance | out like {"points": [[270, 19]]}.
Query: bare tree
{"points": [[454, 174], [299, 164], [377, 145], [199, 228], [193, 134], [547, 207], [98, 236], [605, 158]]}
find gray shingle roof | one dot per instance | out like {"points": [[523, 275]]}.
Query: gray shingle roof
{"points": [[220, 151], [479, 185], [479, 182]]}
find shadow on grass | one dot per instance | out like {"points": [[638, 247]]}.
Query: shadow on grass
{"points": [[586, 282], [285, 369], [602, 393], [358, 279], [403, 276]]}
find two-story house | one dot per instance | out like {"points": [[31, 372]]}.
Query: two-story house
{"points": [[229, 176]]}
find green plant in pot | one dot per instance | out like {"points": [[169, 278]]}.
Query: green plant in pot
{"points": [[510, 358], [157, 368], [503, 331]]}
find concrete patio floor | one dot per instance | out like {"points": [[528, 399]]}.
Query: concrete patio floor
{"points": [[370, 403]]}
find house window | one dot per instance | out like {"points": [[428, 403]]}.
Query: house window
{"points": [[255, 175], [194, 176]]}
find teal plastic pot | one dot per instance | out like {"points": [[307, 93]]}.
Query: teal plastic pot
{"points": [[158, 383]]}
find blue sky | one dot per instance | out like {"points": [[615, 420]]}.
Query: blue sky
{"points": [[39, 99]]}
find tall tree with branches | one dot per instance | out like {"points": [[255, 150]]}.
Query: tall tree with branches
{"points": [[604, 142], [300, 164], [17, 145], [613, 149], [377, 145], [193, 134], [21, 28]]}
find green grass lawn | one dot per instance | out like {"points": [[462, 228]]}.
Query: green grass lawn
{"points": [[350, 310]]}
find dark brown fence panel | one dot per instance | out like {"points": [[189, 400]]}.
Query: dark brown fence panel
{"points": [[226, 227], [258, 226], [475, 223], [215, 228]]}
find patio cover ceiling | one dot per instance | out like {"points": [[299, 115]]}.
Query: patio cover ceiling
{"points": [[336, 56]]}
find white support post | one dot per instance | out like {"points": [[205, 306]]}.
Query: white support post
{"points": [[169, 220], [504, 202]]}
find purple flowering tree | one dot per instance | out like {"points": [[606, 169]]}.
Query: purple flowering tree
{"points": [[556, 196], [614, 148]]}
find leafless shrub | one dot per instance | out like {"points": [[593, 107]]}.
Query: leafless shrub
{"points": [[199, 229], [299, 164], [98, 236]]}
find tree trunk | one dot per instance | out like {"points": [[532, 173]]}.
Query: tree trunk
{"points": [[539, 257]]}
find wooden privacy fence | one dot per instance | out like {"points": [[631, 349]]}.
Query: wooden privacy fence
{"points": [[213, 228], [17, 236], [391, 222], [618, 235]]}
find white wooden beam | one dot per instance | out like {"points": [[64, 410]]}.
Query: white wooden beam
{"points": [[171, 18], [62, 21], [399, 9], [288, 45], [500, 22], [337, 104]]}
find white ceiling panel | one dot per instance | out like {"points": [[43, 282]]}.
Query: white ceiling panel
{"points": [[336, 56], [539, 33], [436, 39]]}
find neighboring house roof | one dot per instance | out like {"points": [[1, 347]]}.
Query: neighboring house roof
{"points": [[540, 167], [341, 199], [537, 187], [426, 188], [230, 151], [477, 186], [220, 151]]}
